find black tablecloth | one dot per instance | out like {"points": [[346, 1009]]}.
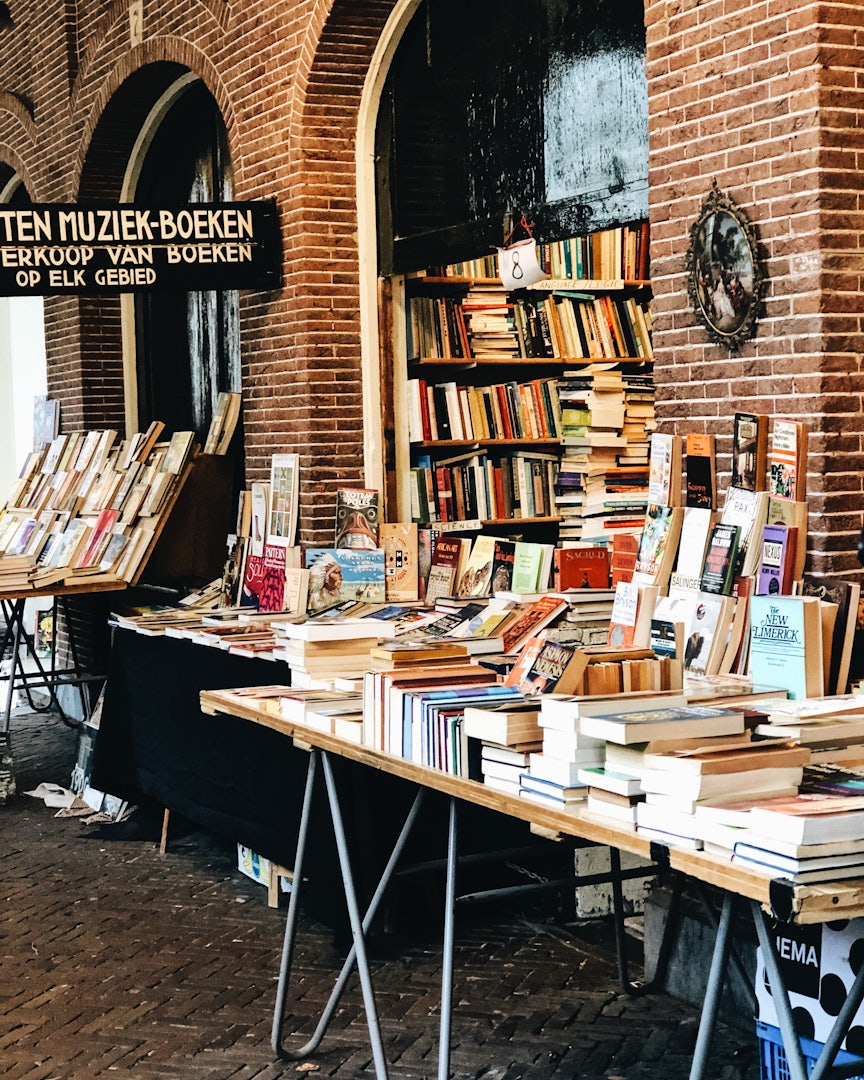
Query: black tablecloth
{"points": [[245, 782]]}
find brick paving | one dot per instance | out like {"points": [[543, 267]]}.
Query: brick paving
{"points": [[116, 959]]}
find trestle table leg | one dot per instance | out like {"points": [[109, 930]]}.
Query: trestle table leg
{"points": [[711, 1004], [356, 922], [840, 1029], [737, 965], [293, 908], [14, 615], [339, 987], [449, 938], [796, 1063]]}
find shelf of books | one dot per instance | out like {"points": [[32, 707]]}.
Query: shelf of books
{"points": [[561, 435]]}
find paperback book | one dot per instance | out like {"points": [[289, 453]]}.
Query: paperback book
{"points": [[340, 574], [356, 519], [786, 644]]}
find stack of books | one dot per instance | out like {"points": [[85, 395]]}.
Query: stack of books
{"points": [[508, 734]]}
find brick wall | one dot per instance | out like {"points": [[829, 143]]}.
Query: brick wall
{"points": [[765, 97]]}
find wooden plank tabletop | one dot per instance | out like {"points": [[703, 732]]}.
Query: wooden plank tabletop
{"points": [[800, 904], [94, 584]]}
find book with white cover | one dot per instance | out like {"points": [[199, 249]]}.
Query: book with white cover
{"points": [[748, 510], [335, 629], [557, 771], [695, 530]]}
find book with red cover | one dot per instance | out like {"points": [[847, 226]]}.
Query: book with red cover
{"points": [[581, 568], [444, 568]]}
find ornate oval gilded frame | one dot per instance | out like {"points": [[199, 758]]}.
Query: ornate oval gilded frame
{"points": [[724, 278]]}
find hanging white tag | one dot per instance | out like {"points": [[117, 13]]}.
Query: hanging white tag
{"points": [[518, 266]]}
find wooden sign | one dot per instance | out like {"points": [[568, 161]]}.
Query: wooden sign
{"points": [[69, 248]]}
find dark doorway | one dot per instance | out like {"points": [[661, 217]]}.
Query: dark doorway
{"points": [[187, 344]]}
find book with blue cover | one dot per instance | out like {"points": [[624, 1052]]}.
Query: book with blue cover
{"points": [[339, 574]]}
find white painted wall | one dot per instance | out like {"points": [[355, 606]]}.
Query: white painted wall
{"points": [[22, 377]]}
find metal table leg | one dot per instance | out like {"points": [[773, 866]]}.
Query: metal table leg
{"points": [[791, 1045], [447, 960], [327, 1014], [293, 908], [356, 922], [711, 1004]]}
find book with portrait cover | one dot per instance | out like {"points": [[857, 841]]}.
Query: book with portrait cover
{"points": [[340, 574]]}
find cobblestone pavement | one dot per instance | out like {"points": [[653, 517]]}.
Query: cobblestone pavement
{"points": [[116, 959]]}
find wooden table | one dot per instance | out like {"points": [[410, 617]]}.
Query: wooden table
{"points": [[767, 899]]}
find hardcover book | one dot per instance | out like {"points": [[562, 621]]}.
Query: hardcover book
{"points": [[400, 545], [581, 568]]}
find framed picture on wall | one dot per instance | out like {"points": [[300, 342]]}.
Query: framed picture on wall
{"points": [[724, 277]]}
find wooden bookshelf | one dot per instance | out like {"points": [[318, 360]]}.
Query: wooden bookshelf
{"points": [[549, 333]]}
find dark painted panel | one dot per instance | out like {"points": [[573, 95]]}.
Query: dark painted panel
{"points": [[504, 107]]}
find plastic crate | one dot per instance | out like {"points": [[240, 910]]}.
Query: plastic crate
{"points": [[773, 1063]]}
